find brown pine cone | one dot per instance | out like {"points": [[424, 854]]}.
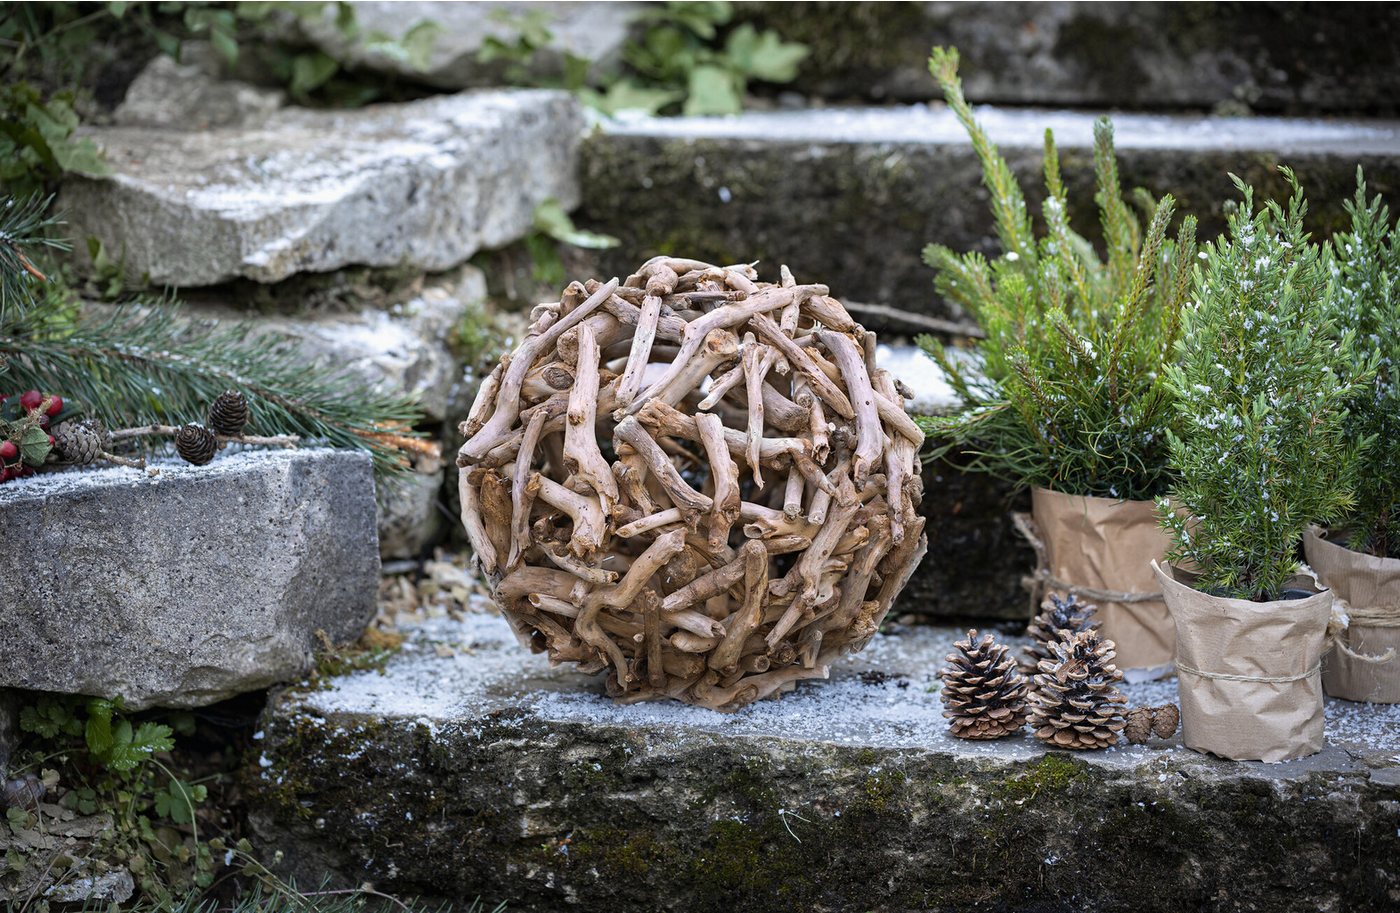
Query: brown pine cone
{"points": [[80, 442], [229, 414], [196, 444], [1139, 725], [1075, 702], [1056, 615], [1165, 719], [984, 693]]}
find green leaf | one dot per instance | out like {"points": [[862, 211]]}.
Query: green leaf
{"points": [[98, 733], [310, 71], [34, 446], [224, 42], [626, 95], [713, 91], [552, 220], [764, 55]]}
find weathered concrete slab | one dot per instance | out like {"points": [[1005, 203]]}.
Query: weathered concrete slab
{"points": [[476, 769], [423, 184], [188, 586], [850, 197], [1286, 57], [594, 31]]}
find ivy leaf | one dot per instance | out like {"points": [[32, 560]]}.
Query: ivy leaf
{"points": [[626, 95], [552, 220], [713, 91], [764, 55], [224, 42]]}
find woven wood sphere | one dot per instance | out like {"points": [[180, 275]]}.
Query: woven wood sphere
{"points": [[696, 481]]}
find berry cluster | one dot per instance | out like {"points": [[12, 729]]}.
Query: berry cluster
{"points": [[25, 441]]}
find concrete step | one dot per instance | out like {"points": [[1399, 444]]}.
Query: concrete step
{"points": [[849, 197], [180, 585], [469, 767], [1274, 57], [423, 184]]}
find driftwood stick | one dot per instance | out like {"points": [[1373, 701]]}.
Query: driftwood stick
{"points": [[802, 362], [585, 511], [660, 467], [870, 436], [724, 474], [522, 492], [725, 657], [651, 633], [582, 457], [643, 336]]}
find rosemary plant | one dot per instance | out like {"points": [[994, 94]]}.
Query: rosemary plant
{"points": [[1066, 391], [1366, 268], [1261, 389]]}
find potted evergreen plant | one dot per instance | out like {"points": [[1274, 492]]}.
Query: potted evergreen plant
{"points": [[1066, 393], [1361, 562], [1264, 448]]}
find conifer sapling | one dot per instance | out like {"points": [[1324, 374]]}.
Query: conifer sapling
{"points": [[1262, 387]]}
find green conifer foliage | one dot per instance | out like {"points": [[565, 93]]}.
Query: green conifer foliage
{"points": [[1367, 273], [1067, 389], [1261, 388]]}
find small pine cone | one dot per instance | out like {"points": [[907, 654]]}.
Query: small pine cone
{"points": [[1165, 719], [196, 444], [229, 414], [1056, 615], [80, 442], [984, 693], [1075, 703], [1139, 725]]}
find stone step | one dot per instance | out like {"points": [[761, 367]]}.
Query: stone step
{"points": [[469, 767], [1276, 57], [850, 197], [422, 184], [180, 586]]}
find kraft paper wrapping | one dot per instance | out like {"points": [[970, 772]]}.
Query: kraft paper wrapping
{"points": [[1369, 584], [1109, 545], [1248, 720]]}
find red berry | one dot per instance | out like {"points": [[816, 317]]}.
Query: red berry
{"points": [[8, 450], [23, 472], [44, 422], [51, 440], [6, 475], [31, 400], [56, 406]]}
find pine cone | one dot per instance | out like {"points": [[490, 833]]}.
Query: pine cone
{"points": [[1139, 725], [196, 444], [1165, 719], [984, 693], [1056, 615], [80, 442], [1074, 703], [229, 414]]}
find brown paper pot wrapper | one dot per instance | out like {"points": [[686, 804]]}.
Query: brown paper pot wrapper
{"points": [[1109, 545], [1365, 583], [1250, 719]]}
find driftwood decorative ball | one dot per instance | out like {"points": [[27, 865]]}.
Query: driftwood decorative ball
{"points": [[696, 481]]}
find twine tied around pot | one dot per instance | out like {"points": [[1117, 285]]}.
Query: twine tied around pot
{"points": [[1041, 579], [1344, 615]]}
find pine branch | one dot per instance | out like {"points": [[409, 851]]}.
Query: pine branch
{"points": [[24, 227], [142, 364]]}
